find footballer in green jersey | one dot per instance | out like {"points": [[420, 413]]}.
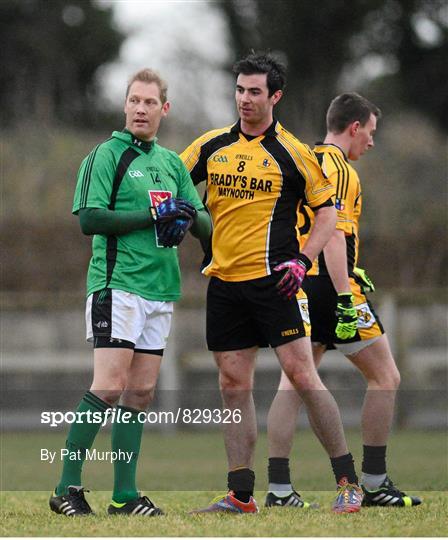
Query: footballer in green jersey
{"points": [[124, 174], [137, 200]]}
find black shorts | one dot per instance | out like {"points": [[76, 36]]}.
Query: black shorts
{"points": [[322, 300], [250, 313]]}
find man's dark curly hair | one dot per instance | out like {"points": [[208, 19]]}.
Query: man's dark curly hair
{"points": [[263, 63]]}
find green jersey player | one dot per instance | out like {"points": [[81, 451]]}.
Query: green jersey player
{"points": [[138, 201]]}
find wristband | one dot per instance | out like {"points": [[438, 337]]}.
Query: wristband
{"points": [[345, 298], [302, 258]]}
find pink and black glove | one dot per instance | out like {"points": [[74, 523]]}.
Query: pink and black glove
{"points": [[292, 280]]}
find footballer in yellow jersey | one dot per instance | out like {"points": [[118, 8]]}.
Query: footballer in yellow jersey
{"points": [[254, 185], [348, 203], [340, 312], [256, 174]]}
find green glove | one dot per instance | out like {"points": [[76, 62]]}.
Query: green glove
{"points": [[367, 283], [346, 316]]}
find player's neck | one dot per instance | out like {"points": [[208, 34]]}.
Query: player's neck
{"points": [[256, 129], [338, 140]]}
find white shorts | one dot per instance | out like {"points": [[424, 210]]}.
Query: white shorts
{"points": [[121, 315]]}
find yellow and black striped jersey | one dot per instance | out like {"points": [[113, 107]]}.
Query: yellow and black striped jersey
{"points": [[348, 205], [254, 187]]}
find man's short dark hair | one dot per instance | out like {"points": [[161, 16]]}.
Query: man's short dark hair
{"points": [[263, 63], [348, 108]]}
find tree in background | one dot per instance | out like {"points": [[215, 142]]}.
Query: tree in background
{"points": [[394, 52], [50, 53], [406, 40]]}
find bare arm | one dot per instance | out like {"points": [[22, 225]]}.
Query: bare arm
{"points": [[336, 260], [324, 225], [323, 228]]}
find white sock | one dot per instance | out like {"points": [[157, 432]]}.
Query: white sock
{"points": [[372, 481], [280, 490]]}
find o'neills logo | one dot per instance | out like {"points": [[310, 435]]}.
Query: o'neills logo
{"points": [[290, 332]]}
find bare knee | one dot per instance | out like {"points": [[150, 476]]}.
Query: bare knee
{"points": [[236, 369], [384, 379], [234, 381], [139, 398], [110, 373], [111, 391], [303, 379], [391, 379]]}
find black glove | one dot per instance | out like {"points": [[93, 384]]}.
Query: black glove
{"points": [[171, 233], [172, 208]]}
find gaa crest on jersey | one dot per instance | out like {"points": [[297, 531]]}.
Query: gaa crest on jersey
{"points": [[156, 197], [266, 163], [366, 318], [339, 204]]}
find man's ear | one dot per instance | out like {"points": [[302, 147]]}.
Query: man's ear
{"points": [[354, 127], [165, 108], [276, 97]]}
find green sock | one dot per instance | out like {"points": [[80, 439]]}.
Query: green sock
{"points": [[126, 438], [80, 438]]}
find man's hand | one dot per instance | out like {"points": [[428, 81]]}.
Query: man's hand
{"points": [[367, 283], [171, 208], [171, 233], [347, 317], [291, 282]]}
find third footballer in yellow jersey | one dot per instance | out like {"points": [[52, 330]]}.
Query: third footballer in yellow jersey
{"points": [[341, 314], [254, 185], [348, 205]]}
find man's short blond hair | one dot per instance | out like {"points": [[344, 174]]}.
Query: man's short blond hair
{"points": [[149, 76]]}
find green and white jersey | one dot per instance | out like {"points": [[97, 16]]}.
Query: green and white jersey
{"points": [[125, 173]]}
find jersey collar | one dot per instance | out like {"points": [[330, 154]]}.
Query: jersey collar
{"points": [[320, 143], [145, 146], [270, 132]]}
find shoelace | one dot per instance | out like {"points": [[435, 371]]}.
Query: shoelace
{"points": [[220, 497], [147, 500], [350, 487], [78, 500], [390, 485]]}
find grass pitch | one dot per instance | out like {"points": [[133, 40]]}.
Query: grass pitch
{"points": [[186, 470]]}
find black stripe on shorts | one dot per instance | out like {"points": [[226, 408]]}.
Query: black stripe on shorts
{"points": [[102, 313]]}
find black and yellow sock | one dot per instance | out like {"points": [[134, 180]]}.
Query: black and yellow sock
{"points": [[126, 437], [80, 438]]}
